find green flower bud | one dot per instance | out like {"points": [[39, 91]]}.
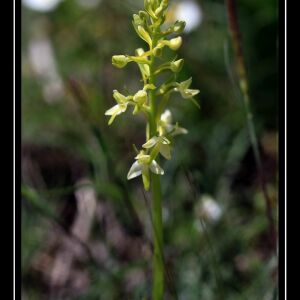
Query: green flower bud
{"points": [[179, 26], [137, 20], [162, 7], [176, 66], [120, 61], [173, 44], [148, 8], [140, 97], [143, 15], [144, 35]]}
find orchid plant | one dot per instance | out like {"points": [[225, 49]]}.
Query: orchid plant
{"points": [[152, 101]]}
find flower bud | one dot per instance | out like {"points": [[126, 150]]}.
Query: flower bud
{"points": [[140, 97], [144, 35], [176, 66], [120, 61], [179, 26], [143, 15], [175, 43], [162, 7], [137, 21]]}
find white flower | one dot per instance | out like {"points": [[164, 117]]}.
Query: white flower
{"points": [[119, 108], [142, 166], [165, 125], [185, 91], [115, 110]]}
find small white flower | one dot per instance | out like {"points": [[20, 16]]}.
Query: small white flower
{"points": [[165, 125], [142, 166], [119, 108], [185, 91], [115, 110]]}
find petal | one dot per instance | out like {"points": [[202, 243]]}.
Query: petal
{"points": [[166, 117], [119, 97], [179, 130], [114, 110], [112, 118], [149, 144], [193, 92], [169, 128], [123, 107], [155, 168], [165, 151], [135, 170], [185, 84]]}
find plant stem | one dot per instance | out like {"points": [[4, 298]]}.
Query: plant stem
{"points": [[158, 265], [244, 87]]}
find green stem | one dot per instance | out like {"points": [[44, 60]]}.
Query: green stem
{"points": [[158, 265]]}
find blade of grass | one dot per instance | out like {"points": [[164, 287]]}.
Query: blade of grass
{"points": [[244, 88]]}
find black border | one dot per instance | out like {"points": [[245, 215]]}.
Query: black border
{"points": [[282, 135], [17, 144]]}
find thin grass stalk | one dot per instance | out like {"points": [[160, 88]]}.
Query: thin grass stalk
{"points": [[244, 88]]}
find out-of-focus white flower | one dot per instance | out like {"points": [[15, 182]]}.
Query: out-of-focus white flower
{"points": [[190, 12], [41, 5], [208, 208], [42, 60], [211, 208]]}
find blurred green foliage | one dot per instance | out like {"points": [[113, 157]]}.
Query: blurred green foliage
{"points": [[223, 259]]}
